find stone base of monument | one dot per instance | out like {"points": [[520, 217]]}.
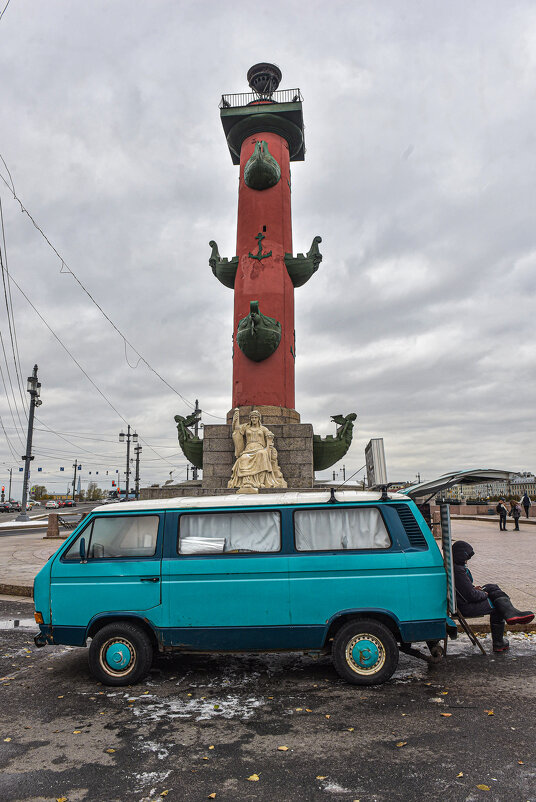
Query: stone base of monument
{"points": [[269, 415], [294, 444]]}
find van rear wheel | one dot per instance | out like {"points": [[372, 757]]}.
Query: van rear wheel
{"points": [[120, 654], [365, 652]]}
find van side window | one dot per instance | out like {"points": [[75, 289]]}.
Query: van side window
{"points": [[234, 532], [339, 529], [120, 536]]}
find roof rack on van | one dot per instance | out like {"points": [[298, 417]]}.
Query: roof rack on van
{"points": [[332, 499], [385, 496]]}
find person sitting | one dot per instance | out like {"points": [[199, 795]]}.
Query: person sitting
{"points": [[475, 601]]}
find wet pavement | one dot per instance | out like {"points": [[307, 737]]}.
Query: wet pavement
{"points": [[265, 727]]}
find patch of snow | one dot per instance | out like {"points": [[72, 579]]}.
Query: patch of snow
{"points": [[335, 788], [158, 749], [201, 709]]}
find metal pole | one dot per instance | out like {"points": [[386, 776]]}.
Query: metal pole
{"points": [[27, 458], [128, 462], [137, 449], [196, 430], [10, 480], [75, 466]]}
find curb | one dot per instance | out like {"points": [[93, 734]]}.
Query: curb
{"points": [[16, 590]]}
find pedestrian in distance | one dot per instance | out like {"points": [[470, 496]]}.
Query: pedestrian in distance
{"points": [[515, 512], [502, 512], [474, 601], [525, 502]]}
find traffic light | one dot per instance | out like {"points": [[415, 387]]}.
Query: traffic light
{"points": [[113, 483], [3, 491]]}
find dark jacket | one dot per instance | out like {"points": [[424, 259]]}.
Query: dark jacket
{"points": [[471, 601]]}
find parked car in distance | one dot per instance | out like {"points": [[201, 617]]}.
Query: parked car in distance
{"points": [[36, 503], [69, 503], [51, 505], [5, 506]]}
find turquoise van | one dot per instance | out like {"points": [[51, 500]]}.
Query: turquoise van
{"points": [[354, 574]]}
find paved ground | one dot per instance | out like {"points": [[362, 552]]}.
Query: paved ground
{"points": [[267, 728]]}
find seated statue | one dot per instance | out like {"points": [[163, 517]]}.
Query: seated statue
{"points": [[256, 463]]}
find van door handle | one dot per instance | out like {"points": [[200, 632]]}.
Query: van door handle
{"points": [[150, 578]]}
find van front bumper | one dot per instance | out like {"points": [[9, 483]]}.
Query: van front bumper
{"points": [[69, 636]]}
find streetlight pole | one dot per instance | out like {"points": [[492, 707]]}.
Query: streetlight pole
{"points": [[34, 388], [196, 432], [75, 466], [137, 451], [134, 437], [10, 480]]}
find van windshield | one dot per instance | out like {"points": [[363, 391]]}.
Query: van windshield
{"points": [[118, 536]]}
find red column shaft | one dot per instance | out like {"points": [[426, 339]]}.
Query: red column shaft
{"points": [[268, 212]]}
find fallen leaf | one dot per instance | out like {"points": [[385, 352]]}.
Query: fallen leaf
{"points": [[205, 758], [484, 787], [60, 697], [165, 793], [145, 693], [299, 709], [270, 697], [321, 776], [77, 732], [328, 716], [489, 712], [351, 729], [211, 796], [110, 750], [7, 740], [307, 710], [282, 748], [401, 743], [446, 715], [460, 774], [211, 747], [254, 778], [216, 707], [443, 693], [61, 799], [520, 762]]}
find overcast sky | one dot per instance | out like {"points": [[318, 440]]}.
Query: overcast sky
{"points": [[419, 176]]}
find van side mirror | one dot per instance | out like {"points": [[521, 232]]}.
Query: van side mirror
{"points": [[83, 549]]}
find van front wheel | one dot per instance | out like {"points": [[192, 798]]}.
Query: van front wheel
{"points": [[120, 654], [365, 652]]}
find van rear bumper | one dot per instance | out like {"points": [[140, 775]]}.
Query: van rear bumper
{"points": [[414, 631]]}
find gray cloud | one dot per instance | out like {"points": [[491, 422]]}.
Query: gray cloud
{"points": [[419, 176]]}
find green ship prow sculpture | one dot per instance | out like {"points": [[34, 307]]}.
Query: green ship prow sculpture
{"points": [[329, 450], [192, 446]]}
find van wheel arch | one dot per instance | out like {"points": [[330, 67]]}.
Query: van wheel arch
{"points": [[141, 623], [344, 618]]}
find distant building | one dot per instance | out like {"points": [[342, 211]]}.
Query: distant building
{"points": [[521, 483]]}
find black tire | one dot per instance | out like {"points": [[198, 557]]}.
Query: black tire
{"points": [[378, 661], [131, 647]]}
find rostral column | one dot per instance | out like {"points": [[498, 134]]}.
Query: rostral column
{"points": [[264, 131]]}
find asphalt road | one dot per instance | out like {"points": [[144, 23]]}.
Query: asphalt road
{"points": [[202, 725]]}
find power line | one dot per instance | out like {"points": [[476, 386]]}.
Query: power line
{"points": [[92, 299], [11, 316], [4, 9], [79, 366], [12, 393]]}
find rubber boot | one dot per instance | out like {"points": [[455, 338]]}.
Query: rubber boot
{"points": [[500, 644], [505, 607]]}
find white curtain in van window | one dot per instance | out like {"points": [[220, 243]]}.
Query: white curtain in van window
{"points": [[222, 532], [334, 529]]}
